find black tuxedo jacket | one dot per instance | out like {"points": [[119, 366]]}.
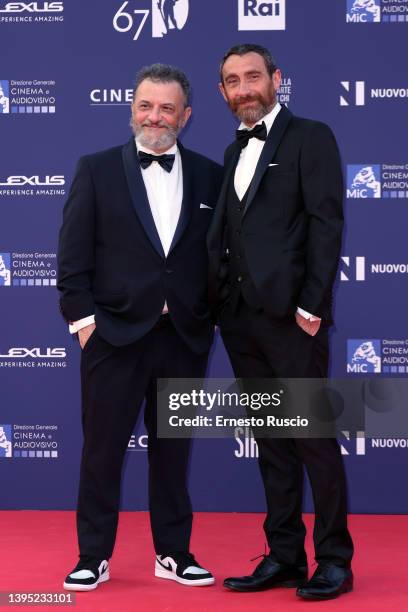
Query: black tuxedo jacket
{"points": [[110, 258], [292, 222]]}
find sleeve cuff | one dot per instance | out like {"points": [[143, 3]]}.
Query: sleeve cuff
{"points": [[307, 315], [75, 326]]}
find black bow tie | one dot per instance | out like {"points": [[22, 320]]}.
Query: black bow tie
{"points": [[166, 161], [243, 136]]}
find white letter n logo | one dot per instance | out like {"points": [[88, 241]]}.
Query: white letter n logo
{"points": [[359, 270], [359, 93]]}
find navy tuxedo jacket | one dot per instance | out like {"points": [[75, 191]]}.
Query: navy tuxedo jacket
{"points": [[110, 258], [292, 222]]}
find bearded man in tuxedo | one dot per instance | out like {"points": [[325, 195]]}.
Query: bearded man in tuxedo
{"points": [[274, 246], [133, 271]]}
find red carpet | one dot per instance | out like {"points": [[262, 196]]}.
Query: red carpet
{"points": [[38, 549]]}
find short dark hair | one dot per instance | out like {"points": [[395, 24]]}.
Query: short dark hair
{"points": [[250, 48], [164, 73]]}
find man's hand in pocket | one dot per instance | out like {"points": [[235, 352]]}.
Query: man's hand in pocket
{"points": [[308, 326], [85, 333]]}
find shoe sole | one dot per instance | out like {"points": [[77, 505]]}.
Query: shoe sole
{"points": [[162, 573], [287, 584], [307, 597], [68, 586]]}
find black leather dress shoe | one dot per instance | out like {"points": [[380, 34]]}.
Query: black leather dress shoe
{"points": [[267, 575], [328, 582]]}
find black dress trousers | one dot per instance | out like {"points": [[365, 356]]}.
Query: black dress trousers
{"points": [[115, 380], [260, 348]]}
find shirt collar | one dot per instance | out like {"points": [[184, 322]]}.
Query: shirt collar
{"points": [[267, 119], [173, 149]]}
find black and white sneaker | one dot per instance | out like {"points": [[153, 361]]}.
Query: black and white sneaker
{"points": [[183, 568], [87, 575]]}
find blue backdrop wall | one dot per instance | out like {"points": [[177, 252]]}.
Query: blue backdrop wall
{"points": [[66, 75]]}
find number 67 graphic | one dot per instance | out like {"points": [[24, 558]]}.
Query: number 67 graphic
{"points": [[124, 21]]}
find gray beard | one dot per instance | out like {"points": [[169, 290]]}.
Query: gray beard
{"points": [[165, 141]]}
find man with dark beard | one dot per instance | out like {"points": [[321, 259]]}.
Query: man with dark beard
{"points": [[274, 247], [133, 277]]}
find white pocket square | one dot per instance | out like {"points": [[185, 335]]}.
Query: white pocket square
{"points": [[205, 206], [273, 165]]}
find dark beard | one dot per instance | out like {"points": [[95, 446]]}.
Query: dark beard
{"points": [[255, 113]]}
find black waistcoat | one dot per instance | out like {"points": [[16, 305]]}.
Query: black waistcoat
{"points": [[239, 277]]}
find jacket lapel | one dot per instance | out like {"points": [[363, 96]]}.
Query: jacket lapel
{"points": [[138, 194], [272, 142], [187, 201]]}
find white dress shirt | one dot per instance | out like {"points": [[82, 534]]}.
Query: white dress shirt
{"points": [[250, 155], [165, 194], [246, 166]]}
